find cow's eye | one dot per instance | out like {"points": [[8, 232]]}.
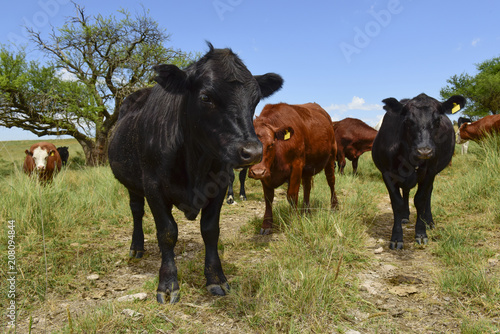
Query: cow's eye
{"points": [[205, 98]]}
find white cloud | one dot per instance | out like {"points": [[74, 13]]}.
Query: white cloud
{"points": [[357, 103], [64, 75], [475, 41]]}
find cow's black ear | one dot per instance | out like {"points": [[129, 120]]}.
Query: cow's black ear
{"points": [[392, 104], [269, 83], [284, 133], [454, 104], [171, 78]]}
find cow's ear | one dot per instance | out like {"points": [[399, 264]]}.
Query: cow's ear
{"points": [[392, 104], [28, 153], [51, 153], [269, 83], [284, 133], [453, 104], [170, 77]]}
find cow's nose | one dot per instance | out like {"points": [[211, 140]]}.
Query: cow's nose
{"points": [[250, 154], [257, 173], [425, 152], [40, 167]]}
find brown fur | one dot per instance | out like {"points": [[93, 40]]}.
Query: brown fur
{"points": [[353, 137], [54, 162], [476, 130], [309, 149]]}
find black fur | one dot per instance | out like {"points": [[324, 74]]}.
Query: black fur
{"points": [[415, 142], [176, 144]]}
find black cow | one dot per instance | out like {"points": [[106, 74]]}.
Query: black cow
{"points": [[175, 145], [230, 191], [415, 142], [64, 153]]}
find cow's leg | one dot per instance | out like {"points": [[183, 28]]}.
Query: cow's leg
{"points": [[342, 163], [398, 209], [137, 208], [423, 205], [242, 177], [330, 178], [267, 224], [230, 191], [307, 185], [292, 194], [355, 165], [166, 232], [216, 281], [406, 198]]}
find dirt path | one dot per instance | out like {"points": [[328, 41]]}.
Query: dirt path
{"points": [[401, 284]]}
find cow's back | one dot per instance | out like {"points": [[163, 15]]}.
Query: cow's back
{"points": [[354, 137], [313, 133]]}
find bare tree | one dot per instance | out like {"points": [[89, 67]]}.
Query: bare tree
{"points": [[95, 62]]}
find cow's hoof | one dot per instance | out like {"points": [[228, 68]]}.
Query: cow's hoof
{"points": [[161, 297], [230, 200], [421, 240], [243, 198], [265, 231], [136, 254], [218, 290], [405, 221], [396, 245]]}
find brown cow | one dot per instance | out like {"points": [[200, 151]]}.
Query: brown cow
{"points": [[43, 159], [298, 142], [478, 129], [354, 137]]}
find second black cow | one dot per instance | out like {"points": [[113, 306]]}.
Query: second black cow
{"points": [[175, 145], [415, 142]]}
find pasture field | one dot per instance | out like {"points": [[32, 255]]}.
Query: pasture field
{"points": [[321, 272]]}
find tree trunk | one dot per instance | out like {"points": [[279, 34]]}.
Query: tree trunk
{"points": [[96, 152]]}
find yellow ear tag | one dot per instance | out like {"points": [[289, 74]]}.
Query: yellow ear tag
{"points": [[456, 107], [52, 154], [287, 135]]}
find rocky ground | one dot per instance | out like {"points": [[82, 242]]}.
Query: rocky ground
{"points": [[401, 285]]}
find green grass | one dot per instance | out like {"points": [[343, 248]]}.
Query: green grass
{"points": [[302, 279]]}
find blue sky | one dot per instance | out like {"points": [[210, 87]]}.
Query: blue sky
{"points": [[345, 55]]}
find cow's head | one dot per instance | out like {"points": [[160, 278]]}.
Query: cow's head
{"points": [[422, 122], [271, 137], [40, 156], [222, 96]]}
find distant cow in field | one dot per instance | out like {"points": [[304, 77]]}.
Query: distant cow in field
{"points": [[465, 143], [479, 129], [415, 142], [353, 137], [230, 191], [176, 143], [64, 153], [298, 142], [43, 159]]}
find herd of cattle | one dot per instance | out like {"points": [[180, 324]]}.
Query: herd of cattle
{"points": [[178, 143]]}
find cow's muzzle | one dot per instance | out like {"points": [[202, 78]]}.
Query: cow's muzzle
{"points": [[256, 173], [250, 154], [425, 153]]}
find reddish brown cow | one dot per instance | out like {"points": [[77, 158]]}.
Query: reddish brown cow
{"points": [[43, 159], [354, 137], [478, 129], [298, 142]]}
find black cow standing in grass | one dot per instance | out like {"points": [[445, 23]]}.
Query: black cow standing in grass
{"points": [[415, 142], [175, 144], [64, 153]]}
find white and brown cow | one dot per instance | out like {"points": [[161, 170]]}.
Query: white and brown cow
{"points": [[43, 159]]}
